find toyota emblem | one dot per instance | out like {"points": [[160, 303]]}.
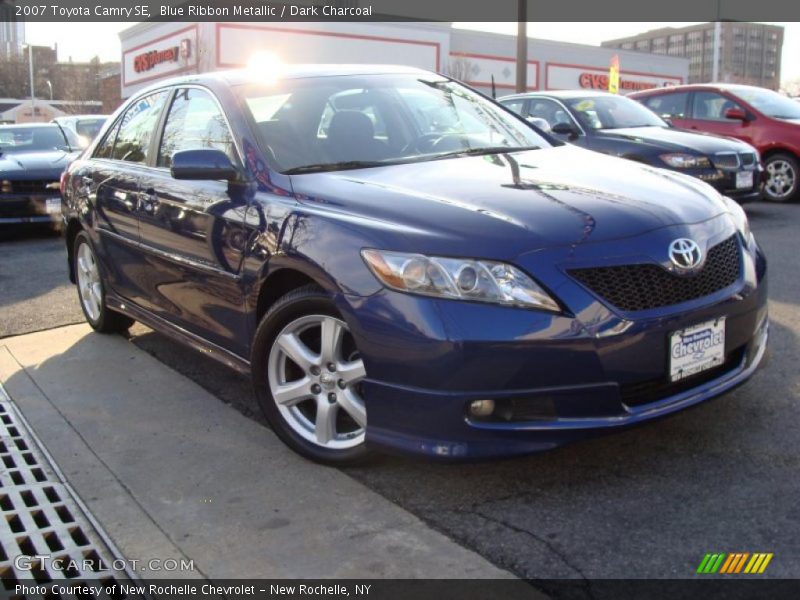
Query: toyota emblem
{"points": [[685, 254]]}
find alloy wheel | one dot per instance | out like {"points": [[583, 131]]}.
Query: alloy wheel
{"points": [[89, 286], [782, 179], [315, 376]]}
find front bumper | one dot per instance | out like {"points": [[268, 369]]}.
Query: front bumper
{"points": [[576, 374], [724, 181], [30, 208]]}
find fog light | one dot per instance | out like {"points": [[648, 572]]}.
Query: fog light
{"points": [[481, 408]]}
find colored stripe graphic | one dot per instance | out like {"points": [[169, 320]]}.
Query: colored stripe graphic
{"points": [[711, 563]]}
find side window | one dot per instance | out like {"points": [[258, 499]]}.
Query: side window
{"points": [[136, 128], [515, 105], [194, 121], [711, 106], [105, 149], [669, 105], [550, 111]]}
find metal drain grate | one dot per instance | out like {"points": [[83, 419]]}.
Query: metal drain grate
{"points": [[46, 536]]}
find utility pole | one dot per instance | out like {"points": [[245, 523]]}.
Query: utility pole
{"points": [[522, 46], [30, 67]]}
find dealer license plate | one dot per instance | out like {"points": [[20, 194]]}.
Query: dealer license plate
{"points": [[53, 206], [744, 179], [696, 349]]}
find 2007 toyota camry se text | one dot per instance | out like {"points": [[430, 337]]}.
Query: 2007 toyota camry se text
{"points": [[399, 262]]}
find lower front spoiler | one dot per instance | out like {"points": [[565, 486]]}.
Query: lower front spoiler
{"points": [[54, 219], [466, 439]]}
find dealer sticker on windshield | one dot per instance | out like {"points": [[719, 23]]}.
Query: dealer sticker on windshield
{"points": [[696, 349]]}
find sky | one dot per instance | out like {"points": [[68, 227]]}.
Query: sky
{"points": [[82, 41]]}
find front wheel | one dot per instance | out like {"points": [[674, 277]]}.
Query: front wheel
{"points": [[91, 291], [307, 374], [782, 178]]}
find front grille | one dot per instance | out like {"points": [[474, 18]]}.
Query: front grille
{"points": [[725, 161], [653, 390], [645, 286], [32, 186]]}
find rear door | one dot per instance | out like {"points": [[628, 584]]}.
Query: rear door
{"points": [[192, 232], [117, 166]]}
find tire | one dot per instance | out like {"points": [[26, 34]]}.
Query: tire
{"points": [[295, 377], [783, 178], [91, 290]]}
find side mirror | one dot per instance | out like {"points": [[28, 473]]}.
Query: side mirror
{"points": [[736, 113], [206, 163], [563, 128], [539, 122]]}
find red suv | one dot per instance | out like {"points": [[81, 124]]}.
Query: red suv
{"points": [[761, 117]]}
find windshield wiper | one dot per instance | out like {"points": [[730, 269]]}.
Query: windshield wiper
{"points": [[340, 166], [487, 150]]}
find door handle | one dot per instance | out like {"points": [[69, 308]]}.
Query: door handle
{"points": [[148, 201]]}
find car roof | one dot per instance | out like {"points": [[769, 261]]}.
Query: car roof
{"points": [[731, 87], [65, 117], [562, 94], [34, 125], [298, 71]]}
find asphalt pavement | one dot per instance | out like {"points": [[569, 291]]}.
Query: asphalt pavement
{"points": [[646, 502]]}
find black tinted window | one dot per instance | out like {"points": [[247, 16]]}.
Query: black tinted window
{"points": [[137, 128], [194, 121], [669, 105]]}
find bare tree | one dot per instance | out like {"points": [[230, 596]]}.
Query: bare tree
{"points": [[460, 67]]}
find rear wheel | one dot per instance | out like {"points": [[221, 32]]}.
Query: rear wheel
{"points": [[782, 178], [91, 290], [307, 374]]}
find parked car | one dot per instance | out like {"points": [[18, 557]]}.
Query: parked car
{"points": [[758, 116], [455, 285], [32, 158], [85, 126], [621, 127]]}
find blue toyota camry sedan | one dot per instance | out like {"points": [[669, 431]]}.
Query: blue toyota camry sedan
{"points": [[399, 262]]}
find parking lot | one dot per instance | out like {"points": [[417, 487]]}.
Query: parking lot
{"points": [[646, 502]]}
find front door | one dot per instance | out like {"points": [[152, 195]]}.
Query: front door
{"points": [[192, 232]]}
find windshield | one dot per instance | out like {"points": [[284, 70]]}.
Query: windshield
{"points": [[89, 128], [35, 139], [328, 123], [612, 112], [769, 103]]}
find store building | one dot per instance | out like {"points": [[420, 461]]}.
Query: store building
{"points": [[748, 53], [155, 51]]}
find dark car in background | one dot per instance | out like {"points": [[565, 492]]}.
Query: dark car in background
{"points": [[761, 117], [619, 126], [86, 127], [397, 261], [32, 158]]}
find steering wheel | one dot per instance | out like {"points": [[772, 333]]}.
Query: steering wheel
{"points": [[428, 142]]}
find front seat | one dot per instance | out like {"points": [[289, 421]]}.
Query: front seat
{"points": [[351, 136]]}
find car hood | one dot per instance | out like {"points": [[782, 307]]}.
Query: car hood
{"points": [[511, 203], [34, 165], [673, 139]]}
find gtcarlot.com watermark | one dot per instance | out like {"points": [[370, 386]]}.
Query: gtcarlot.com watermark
{"points": [[69, 565]]}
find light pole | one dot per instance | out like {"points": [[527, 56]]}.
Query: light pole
{"points": [[522, 46], [30, 72]]}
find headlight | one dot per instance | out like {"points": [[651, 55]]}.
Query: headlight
{"points": [[458, 279], [5, 186], [739, 218], [678, 160]]}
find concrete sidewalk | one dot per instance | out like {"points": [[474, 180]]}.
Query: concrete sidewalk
{"points": [[171, 472]]}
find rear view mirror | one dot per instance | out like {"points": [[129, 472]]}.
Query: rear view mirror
{"points": [[205, 163], [736, 113]]}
